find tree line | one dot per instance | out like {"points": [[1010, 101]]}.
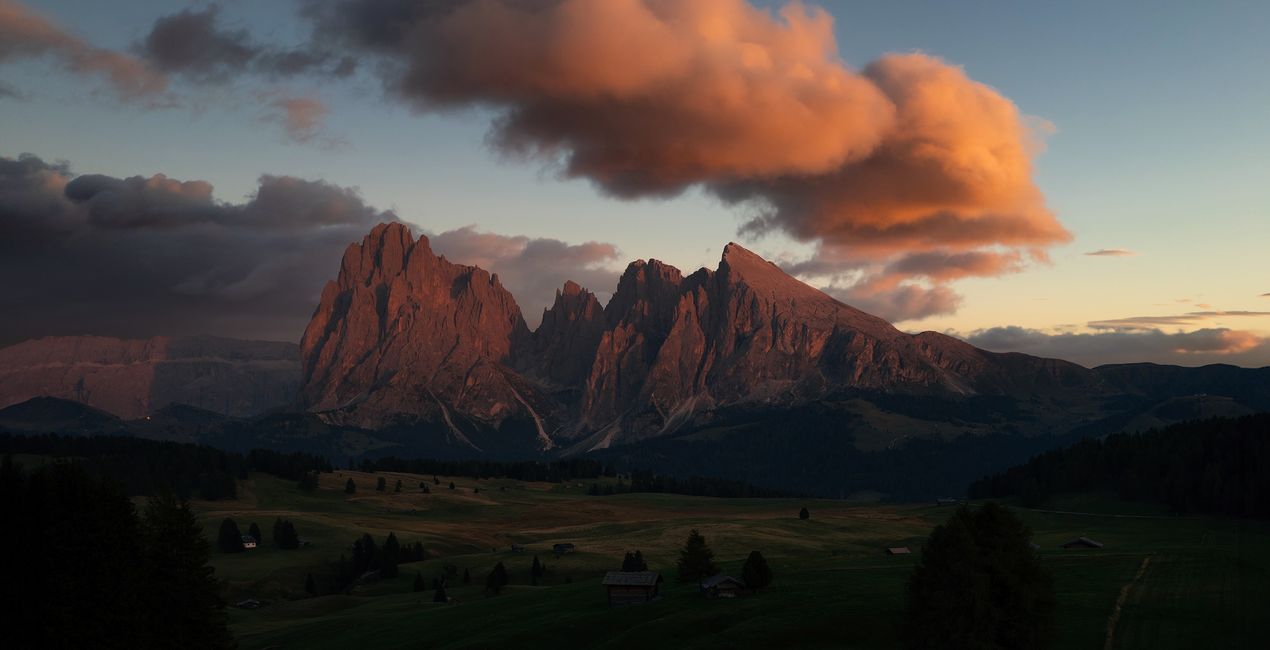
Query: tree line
{"points": [[555, 471], [146, 467], [1215, 466], [88, 570]]}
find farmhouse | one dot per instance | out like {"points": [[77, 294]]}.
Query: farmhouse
{"points": [[632, 587], [722, 586], [898, 550], [518, 548], [561, 549], [249, 542], [1082, 542]]}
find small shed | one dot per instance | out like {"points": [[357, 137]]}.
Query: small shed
{"points": [[898, 550], [722, 586], [1082, 542], [518, 548], [249, 541], [632, 587], [561, 549]]}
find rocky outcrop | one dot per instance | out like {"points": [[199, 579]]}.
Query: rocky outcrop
{"points": [[132, 378], [405, 335]]}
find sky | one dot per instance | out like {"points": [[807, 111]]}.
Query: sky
{"points": [[1082, 180]]}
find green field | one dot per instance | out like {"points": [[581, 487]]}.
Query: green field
{"points": [[1206, 584]]}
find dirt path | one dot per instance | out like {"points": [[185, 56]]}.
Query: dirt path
{"points": [[1120, 602]]}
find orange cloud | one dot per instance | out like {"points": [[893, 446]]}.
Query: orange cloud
{"points": [[24, 33], [1111, 252], [652, 97]]}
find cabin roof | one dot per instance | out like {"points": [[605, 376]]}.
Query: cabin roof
{"points": [[715, 581], [1083, 541], [631, 579], [898, 550]]}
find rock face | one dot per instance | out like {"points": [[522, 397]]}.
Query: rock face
{"points": [[403, 335], [133, 378]]}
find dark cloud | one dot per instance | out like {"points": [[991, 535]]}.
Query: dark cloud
{"points": [[27, 34], [533, 269], [904, 302], [1112, 252], [1198, 347], [193, 43], [140, 256], [1179, 320]]}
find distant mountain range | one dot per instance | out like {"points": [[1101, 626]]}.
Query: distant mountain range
{"points": [[408, 353]]}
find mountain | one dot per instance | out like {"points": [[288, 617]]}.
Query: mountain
{"points": [[131, 378], [403, 337], [46, 414]]}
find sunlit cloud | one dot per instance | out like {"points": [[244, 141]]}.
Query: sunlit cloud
{"points": [[1112, 252]]}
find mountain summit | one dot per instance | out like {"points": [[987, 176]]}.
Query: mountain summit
{"points": [[404, 336]]}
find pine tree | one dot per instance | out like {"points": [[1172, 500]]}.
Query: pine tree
{"points": [[398, 487], [349, 486], [440, 595], [183, 607], [979, 585], [381, 484], [535, 572], [277, 531], [230, 539], [634, 562], [310, 587], [497, 578], [254, 531], [803, 514], [755, 573], [308, 482], [696, 560], [423, 487], [451, 485], [435, 480], [365, 555], [467, 577], [287, 538], [389, 555], [419, 583]]}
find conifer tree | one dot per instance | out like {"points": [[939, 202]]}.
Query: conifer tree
{"points": [[349, 486], [497, 578], [755, 573], [696, 560], [381, 484], [310, 587], [389, 555], [398, 487], [254, 531], [451, 485], [467, 577], [440, 595], [804, 514], [182, 598], [979, 585], [419, 583], [535, 572], [230, 539]]}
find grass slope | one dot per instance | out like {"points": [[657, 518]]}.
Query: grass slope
{"points": [[1207, 583]]}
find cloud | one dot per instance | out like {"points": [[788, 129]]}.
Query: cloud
{"points": [[192, 43], [1198, 347], [1188, 318], [139, 256], [648, 98], [9, 91], [26, 34], [1265, 295], [1112, 252], [899, 303], [302, 118], [533, 269]]}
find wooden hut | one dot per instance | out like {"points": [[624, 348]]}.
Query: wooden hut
{"points": [[632, 587], [722, 586], [898, 550]]}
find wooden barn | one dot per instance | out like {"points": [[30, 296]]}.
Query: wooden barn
{"points": [[898, 550], [1082, 542], [632, 587], [249, 542], [561, 549], [722, 586]]}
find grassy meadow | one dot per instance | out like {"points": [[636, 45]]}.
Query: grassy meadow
{"points": [[1205, 581]]}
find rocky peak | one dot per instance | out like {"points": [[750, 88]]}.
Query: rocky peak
{"points": [[564, 344]]}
